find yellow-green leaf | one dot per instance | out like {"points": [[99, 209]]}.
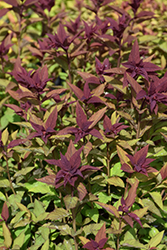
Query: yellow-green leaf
{"points": [[45, 245], [157, 199], [156, 239], [58, 214], [70, 202], [122, 155], [141, 212], [19, 241], [6, 235], [151, 207], [5, 135], [116, 181]]}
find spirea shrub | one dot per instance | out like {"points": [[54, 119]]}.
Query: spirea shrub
{"points": [[83, 125]]}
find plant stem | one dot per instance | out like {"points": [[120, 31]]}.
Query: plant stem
{"points": [[8, 173], [108, 168], [139, 124], [74, 227], [69, 68]]}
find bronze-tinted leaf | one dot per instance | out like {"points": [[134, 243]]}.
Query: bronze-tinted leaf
{"points": [[82, 192], [109, 208], [96, 117]]}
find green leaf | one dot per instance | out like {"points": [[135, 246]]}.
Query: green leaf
{"points": [[23, 171], [5, 135], [19, 241], [104, 198], [116, 170], [116, 181], [69, 244], [70, 202], [163, 46], [157, 198], [4, 182], [44, 232], [38, 187], [156, 239], [6, 235], [93, 214], [122, 155], [45, 245], [153, 232], [92, 228], [133, 243], [151, 206], [2, 197], [17, 217], [58, 214], [38, 208]]}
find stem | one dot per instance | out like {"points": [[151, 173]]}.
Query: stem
{"points": [[108, 167], [139, 124], [119, 54], [8, 173], [118, 235], [69, 67], [74, 227]]}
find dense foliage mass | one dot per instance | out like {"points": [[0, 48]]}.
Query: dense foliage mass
{"points": [[83, 125]]}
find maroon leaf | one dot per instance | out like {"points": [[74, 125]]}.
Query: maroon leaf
{"points": [[163, 172], [131, 194], [5, 212], [81, 117], [51, 121]]}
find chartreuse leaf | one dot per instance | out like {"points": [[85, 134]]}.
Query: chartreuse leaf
{"points": [[141, 212], [23, 171], [64, 228], [133, 243], [122, 155], [83, 240], [19, 241], [2, 197], [4, 182], [57, 214], [93, 214], [69, 244], [44, 232], [23, 208], [92, 228], [45, 245], [70, 202], [5, 135], [38, 208], [116, 170], [104, 198], [157, 199], [38, 187], [156, 239], [153, 232], [6, 235], [151, 207], [17, 217], [116, 181]]}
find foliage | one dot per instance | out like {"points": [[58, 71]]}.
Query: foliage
{"points": [[83, 124]]}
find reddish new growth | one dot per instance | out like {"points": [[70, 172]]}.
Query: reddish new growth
{"points": [[99, 242], [83, 125], [70, 169], [137, 66], [139, 162]]}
